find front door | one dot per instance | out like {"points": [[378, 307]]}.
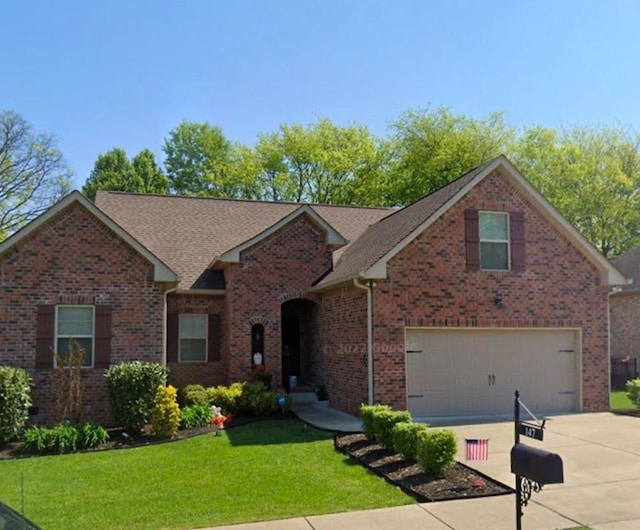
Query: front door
{"points": [[290, 348]]}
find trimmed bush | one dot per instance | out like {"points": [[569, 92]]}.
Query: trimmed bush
{"points": [[368, 413], [436, 451], [195, 416], [194, 395], [380, 421], [256, 400], [165, 416], [633, 391], [226, 397], [132, 391], [405, 438], [15, 400]]}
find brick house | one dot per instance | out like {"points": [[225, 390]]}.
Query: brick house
{"points": [[625, 308], [444, 307]]}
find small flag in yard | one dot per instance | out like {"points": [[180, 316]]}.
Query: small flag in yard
{"points": [[477, 449]]}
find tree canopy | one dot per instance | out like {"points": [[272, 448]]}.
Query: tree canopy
{"points": [[590, 174], [113, 171], [33, 172]]}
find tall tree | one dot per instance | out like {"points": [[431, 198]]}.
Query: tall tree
{"points": [[592, 176], [432, 147], [33, 172], [198, 160], [113, 171], [149, 173], [321, 162]]}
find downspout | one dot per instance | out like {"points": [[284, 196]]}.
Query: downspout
{"points": [[369, 289], [164, 325]]}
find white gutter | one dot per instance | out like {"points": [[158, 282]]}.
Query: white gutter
{"points": [[368, 288], [164, 325]]}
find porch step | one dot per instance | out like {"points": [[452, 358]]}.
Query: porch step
{"points": [[303, 397]]}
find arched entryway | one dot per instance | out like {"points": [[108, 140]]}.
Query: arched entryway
{"points": [[299, 340]]}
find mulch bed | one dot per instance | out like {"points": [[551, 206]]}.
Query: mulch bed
{"points": [[460, 481]]}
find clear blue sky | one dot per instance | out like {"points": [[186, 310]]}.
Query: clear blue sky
{"points": [[123, 73]]}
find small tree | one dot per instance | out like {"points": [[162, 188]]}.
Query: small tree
{"points": [[69, 384], [633, 391], [132, 391], [15, 400]]}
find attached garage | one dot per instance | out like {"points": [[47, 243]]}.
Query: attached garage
{"points": [[474, 372]]}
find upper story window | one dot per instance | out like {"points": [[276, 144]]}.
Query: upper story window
{"points": [[494, 241], [193, 338], [75, 326]]}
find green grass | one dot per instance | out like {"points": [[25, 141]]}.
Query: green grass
{"points": [[262, 471], [620, 401]]}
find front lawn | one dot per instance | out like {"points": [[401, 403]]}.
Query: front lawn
{"points": [[256, 472], [620, 401]]}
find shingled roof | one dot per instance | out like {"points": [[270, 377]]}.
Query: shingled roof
{"points": [[188, 233], [379, 239], [629, 265]]}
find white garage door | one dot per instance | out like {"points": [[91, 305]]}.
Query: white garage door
{"points": [[470, 372]]}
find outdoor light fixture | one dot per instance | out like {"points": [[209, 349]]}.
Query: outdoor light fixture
{"points": [[497, 301]]}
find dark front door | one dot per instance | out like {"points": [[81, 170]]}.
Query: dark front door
{"points": [[290, 348]]}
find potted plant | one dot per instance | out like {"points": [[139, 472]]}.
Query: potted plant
{"points": [[321, 392]]}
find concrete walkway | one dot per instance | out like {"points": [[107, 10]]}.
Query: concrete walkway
{"points": [[601, 455]]}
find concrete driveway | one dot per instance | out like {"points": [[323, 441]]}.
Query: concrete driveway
{"points": [[601, 455]]}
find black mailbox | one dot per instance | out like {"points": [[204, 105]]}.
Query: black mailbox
{"points": [[536, 464]]}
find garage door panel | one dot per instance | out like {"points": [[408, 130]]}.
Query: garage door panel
{"points": [[475, 372]]}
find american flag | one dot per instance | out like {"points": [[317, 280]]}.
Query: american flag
{"points": [[477, 449]]}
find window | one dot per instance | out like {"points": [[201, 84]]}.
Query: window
{"points": [[494, 241], [75, 325], [193, 338]]}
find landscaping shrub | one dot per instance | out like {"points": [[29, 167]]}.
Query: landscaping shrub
{"points": [[62, 438], [260, 376], [193, 395], [226, 397], [405, 437], [91, 435], [367, 413], [436, 451], [256, 400], [195, 416], [380, 421], [633, 391], [132, 390], [59, 439], [15, 400], [165, 416]]}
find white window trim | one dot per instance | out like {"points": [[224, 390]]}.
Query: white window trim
{"points": [[92, 336], [507, 241], [206, 337]]}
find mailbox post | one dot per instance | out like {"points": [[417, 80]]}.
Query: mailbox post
{"points": [[532, 467]]}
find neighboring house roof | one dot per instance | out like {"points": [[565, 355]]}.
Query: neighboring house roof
{"points": [[162, 273], [192, 233], [629, 265], [367, 257]]}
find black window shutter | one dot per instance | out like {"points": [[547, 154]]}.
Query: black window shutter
{"points": [[45, 333], [102, 353], [472, 239], [516, 230], [172, 337], [214, 353]]}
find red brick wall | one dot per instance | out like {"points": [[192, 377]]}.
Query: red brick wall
{"points": [[281, 267], [625, 324], [343, 352], [75, 259], [428, 285], [204, 373]]}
